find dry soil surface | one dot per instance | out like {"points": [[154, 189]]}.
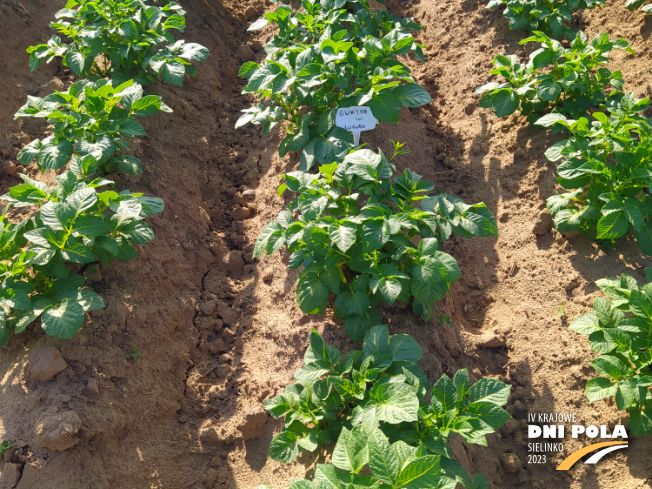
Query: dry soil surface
{"points": [[220, 333]]}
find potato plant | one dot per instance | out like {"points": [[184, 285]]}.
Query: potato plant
{"points": [[352, 229], [605, 166], [332, 54], [120, 39], [635, 4], [556, 79], [373, 403], [76, 225], [90, 123], [548, 16], [620, 330]]}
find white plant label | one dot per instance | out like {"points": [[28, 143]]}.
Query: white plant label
{"points": [[355, 120]]}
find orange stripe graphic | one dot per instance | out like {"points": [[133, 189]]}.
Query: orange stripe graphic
{"points": [[575, 456]]}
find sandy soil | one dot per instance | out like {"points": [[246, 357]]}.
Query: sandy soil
{"points": [[219, 333]]}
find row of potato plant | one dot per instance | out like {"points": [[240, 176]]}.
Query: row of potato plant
{"points": [[620, 330], [605, 163], [380, 410], [330, 55], [605, 167], [363, 236], [80, 222], [552, 17]]}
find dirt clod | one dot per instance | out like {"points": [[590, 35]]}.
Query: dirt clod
{"points": [[207, 308], [241, 213], [208, 435], [510, 462], [9, 475], [543, 224], [254, 420], [45, 363], [229, 315], [92, 387], [234, 261], [211, 477], [57, 431], [244, 54], [491, 341], [8, 168], [250, 13]]}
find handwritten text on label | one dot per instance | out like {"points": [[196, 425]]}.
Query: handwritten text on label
{"points": [[355, 120]]}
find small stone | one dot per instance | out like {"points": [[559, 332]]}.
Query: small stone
{"points": [[9, 476], [244, 53], [207, 308], [249, 195], [92, 387], [229, 315], [226, 358], [469, 109], [510, 462], [543, 224], [45, 363], [247, 269], [241, 213]]}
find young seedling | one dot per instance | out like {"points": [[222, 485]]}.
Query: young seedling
{"points": [[397, 149], [560, 310], [445, 320], [6, 445], [133, 355]]}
